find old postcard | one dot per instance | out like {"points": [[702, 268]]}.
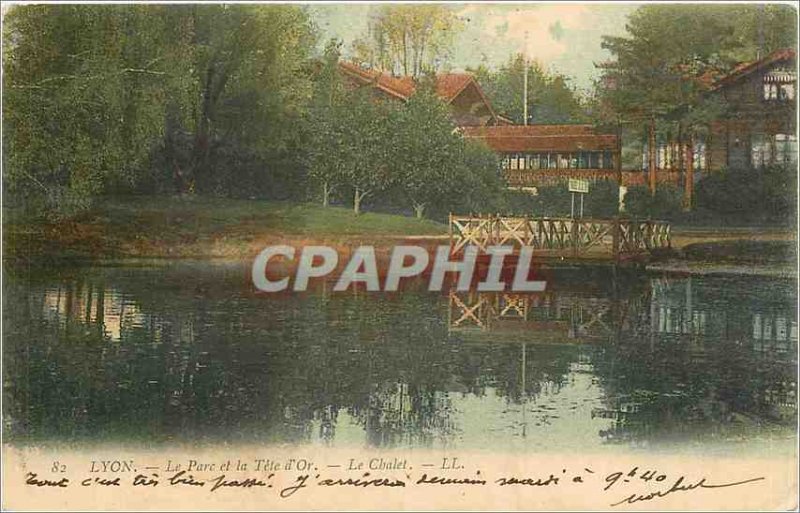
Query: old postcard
{"points": [[399, 256]]}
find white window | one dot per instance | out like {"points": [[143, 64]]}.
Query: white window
{"points": [[645, 158], [786, 92], [514, 161], [780, 84], [767, 328], [780, 328], [757, 326], [785, 149], [699, 160], [760, 150], [770, 91], [766, 150]]}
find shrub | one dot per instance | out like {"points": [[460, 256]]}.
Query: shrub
{"points": [[666, 204], [555, 201], [749, 195]]}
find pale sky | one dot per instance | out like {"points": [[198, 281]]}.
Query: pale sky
{"points": [[562, 37]]}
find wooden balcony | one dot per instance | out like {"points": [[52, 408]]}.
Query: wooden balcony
{"points": [[545, 177], [549, 177]]}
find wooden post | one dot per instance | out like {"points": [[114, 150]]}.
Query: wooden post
{"points": [[527, 232], [574, 230], [450, 230], [688, 186], [651, 151], [618, 157]]}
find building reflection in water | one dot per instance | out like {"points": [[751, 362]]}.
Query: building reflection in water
{"points": [[744, 347], [636, 360]]}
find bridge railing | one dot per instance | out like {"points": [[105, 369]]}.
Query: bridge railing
{"points": [[560, 236]]}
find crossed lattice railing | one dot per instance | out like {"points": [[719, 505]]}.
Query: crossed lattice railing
{"points": [[565, 236]]}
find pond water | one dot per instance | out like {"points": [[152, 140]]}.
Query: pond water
{"points": [[188, 353]]}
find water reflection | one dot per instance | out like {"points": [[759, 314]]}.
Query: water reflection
{"points": [[190, 353]]}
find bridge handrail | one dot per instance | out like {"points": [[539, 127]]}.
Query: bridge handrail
{"points": [[628, 235]]}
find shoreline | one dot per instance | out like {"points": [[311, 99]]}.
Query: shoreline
{"points": [[675, 264], [144, 231], [695, 268]]}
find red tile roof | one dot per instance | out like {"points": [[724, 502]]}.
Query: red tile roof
{"points": [[539, 138], [399, 87], [448, 85], [746, 68]]}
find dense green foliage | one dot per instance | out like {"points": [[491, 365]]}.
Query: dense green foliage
{"points": [[226, 101], [556, 201], [404, 155], [655, 85], [234, 101], [666, 204], [656, 69], [747, 195], [85, 91], [106, 98], [735, 196]]}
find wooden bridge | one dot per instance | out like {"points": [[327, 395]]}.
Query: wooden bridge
{"points": [[563, 239]]}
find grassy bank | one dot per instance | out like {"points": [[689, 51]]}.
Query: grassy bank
{"points": [[197, 227], [181, 227]]}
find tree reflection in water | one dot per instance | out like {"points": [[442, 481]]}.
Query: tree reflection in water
{"points": [[189, 353]]}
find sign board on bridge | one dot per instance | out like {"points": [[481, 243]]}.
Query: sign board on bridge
{"points": [[578, 185]]}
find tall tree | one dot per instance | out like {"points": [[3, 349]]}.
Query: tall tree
{"points": [[84, 99], [408, 39], [658, 71], [368, 128], [326, 152], [93, 91], [425, 166], [247, 67]]}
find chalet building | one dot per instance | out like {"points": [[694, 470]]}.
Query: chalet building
{"points": [[759, 126], [532, 155], [756, 129]]}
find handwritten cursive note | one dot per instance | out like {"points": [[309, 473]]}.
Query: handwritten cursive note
{"points": [[623, 487]]}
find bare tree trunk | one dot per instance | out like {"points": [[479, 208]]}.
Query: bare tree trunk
{"points": [[422, 55], [618, 156], [202, 140], [651, 150], [326, 194], [216, 79], [419, 210], [688, 186], [357, 197], [405, 53]]}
